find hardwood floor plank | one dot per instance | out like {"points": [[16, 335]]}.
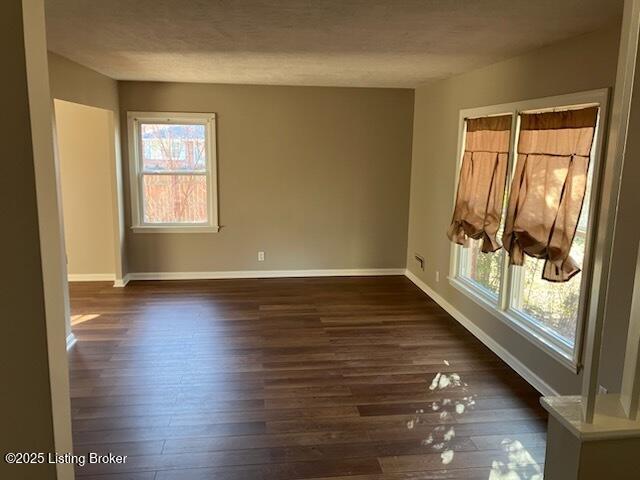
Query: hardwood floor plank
{"points": [[208, 444], [116, 476], [281, 471], [434, 461]]}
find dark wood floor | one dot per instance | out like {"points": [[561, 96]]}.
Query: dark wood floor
{"points": [[278, 379]]}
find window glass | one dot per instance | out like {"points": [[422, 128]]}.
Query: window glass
{"points": [[170, 147], [554, 306], [482, 269], [175, 198]]}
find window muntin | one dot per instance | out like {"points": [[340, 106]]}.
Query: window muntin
{"points": [[173, 172], [509, 295]]}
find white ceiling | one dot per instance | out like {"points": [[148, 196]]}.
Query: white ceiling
{"points": [[381, 43]]}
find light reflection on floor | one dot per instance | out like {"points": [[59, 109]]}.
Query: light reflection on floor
{"points": [[441, 436], [78, 319], [520, 464], [517, 463]]}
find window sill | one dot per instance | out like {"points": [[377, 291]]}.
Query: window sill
{"points": [[518, 325], [175, 229]]}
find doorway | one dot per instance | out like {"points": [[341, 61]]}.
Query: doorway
{"points": [[85, 149]]}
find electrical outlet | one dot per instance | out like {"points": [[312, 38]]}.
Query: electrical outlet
{"points": [[261, 256], [437, 275]]}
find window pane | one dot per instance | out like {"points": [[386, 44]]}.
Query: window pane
{"points": [[169, 147], [554, 306], [483, 269], [175, 198]]}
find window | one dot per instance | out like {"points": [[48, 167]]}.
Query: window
{"points": [[551, 314], [484, 270], [172, 160]]}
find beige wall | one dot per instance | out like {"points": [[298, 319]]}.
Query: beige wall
{"points": [[582, 63], [26, 409], [76, 83], [85, 155], [34, 397], [318, 178]]}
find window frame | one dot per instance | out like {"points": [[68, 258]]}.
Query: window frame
{"points": [[136, 171], [501, 307]]}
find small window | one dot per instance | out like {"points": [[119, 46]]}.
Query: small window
{"points": [[549, 313], [173, 165]]}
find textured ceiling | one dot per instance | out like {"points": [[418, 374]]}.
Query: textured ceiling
{"points": [[400, 43]]}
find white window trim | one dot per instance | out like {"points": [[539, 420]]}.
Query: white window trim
{"points": [[552, 345], [135, 171]]}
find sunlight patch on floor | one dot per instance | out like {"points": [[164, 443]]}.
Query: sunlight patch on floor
{"points": [[444, 380], [517, 464], [446, 456], [441, 436], [78, 319], [520, 465]]}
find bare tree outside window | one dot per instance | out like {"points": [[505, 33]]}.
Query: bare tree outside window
{"points": [[174, 179]]}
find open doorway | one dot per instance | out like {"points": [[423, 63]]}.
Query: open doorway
{"points": [[85, 150]]}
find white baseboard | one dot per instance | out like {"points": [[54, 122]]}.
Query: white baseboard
{"points": [[91, 277], [534, 380], [121, 282], [504, 354], [264, 274], [71, 340]]}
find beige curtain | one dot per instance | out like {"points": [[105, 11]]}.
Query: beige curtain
{"points": [[481, 186], [548, 189]]}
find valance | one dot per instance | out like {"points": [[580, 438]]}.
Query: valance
{"points": [[481, 183], [548, 188]]}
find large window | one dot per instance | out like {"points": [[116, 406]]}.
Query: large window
{"points": [[549, 313], [172, 164]]}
